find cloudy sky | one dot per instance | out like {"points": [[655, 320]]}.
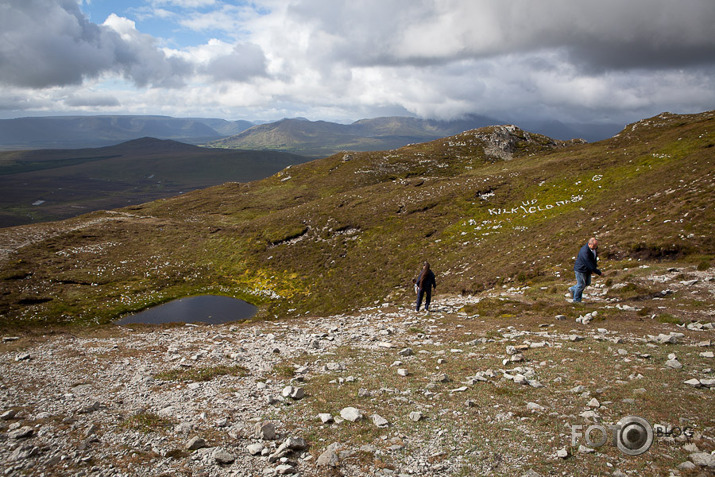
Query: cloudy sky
{"points": [[339, 60]]}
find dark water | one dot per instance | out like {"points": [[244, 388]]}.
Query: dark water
{"points": [[211, 309]]}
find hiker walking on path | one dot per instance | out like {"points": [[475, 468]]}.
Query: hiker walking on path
{"points": [[586, 264], [424, 284]]}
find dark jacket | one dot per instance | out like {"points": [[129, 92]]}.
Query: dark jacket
{"points": [[429, 282], [586, 262]]}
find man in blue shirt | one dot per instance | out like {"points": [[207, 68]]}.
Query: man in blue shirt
{"points": [[586, 264]]}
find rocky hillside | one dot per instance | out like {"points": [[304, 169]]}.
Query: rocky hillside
{"points": [[337, 375], [488, 207], [466, 390]]}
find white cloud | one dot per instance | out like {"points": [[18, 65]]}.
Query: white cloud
{"points": [[575, 59]]}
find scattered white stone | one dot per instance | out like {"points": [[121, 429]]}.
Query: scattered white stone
{"points": [[703, 459], [585, 450], [325, 417], [707, 354], [379, 421], [694, 383], [406, 352], [255, 449], [402, 372], [562, 453], [532, 406], [21, 433], [195, 443], [416, 416], [284, 469], [293, 392], [594, 403], [351, 414], [329, 458], [673, 363], [222, 456]]}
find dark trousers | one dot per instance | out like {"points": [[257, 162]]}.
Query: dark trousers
{"points": [[427, 295]]}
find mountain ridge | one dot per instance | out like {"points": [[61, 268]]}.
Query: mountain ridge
{"points": [[304, 137]]}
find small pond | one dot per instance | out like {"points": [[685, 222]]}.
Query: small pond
{"points": [[210, 309]]}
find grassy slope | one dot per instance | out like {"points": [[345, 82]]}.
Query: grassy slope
{"points": [[350, 230]]}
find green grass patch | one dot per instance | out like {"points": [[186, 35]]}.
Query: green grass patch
{"points": [[200, 374]]}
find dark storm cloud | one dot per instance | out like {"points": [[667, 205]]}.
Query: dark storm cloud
{"points": [[46, 43], [607, 34]]}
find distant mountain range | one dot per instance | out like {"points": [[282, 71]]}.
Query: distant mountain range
{"points": [[51, 184], [98, 131], [297, 135], [321, 138]]}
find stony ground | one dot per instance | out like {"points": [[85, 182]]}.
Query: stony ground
{"points": [[386, 391]]}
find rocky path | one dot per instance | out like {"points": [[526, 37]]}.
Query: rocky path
{"points": [[384, 392]]}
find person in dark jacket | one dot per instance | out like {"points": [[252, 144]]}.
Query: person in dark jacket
{"points": [[425, 282], [586, 264]]}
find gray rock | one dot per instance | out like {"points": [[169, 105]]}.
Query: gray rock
{"points": [[694, 383], [379, 421], [223, 457], [295, 443], [284, 469], [406, 352], [265, 430], [593, 403], [402, 372], [21, 433], [23, 357], [351, 414], [562, 453], [255, 449], [687, 465], [329, 458], [325, 417], [7, 415], [440, 378], [532, 406], [292, 392], [585, 450], [416, 416], [703, 459], [195, 443], [673, 363]]}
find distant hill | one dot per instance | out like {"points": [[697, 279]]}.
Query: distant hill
{"points": [[496, 207], [52, 184], [97, 131], [321, 138]]}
